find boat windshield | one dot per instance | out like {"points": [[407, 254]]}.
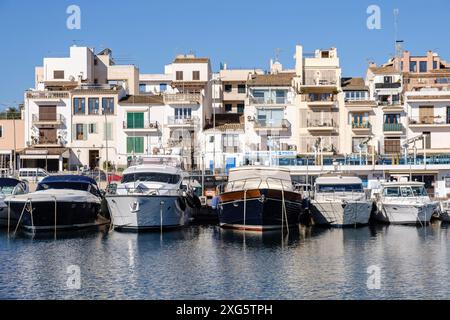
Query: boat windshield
{"points": [[151, 177], [353, 187], [6, 190], [63, 185], [405, 191]]}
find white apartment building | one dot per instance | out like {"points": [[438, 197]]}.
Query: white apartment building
{"points": [[70, 115]]}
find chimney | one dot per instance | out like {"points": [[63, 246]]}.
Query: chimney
{"points": [[372, 64], [406, 59], [299, 61], [430, 58]]}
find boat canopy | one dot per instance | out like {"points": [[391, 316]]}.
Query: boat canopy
{"points": [[337, 179], [259, 177], [68, 178]]}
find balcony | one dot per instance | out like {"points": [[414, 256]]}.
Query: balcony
{"points": [[279, 125], [235, 149], [394, 128], [148, 126], [428, 121], [48, 120], [282, 101], [182, 98], [327, 83], [361, 127], [324, 144], [394, 85], [174, 122], [47, 95], [320, 100], [321, 124], [45, 142]]}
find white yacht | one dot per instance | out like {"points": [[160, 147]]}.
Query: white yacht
{"points": [[404, 203], [340, 200], [150, 195], [9, 187]]}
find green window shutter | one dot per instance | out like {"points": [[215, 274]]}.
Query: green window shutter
{"points": [[130, 145], [130, 120], [139, 120], [139, 144]]}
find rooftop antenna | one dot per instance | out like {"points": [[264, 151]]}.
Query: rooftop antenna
{"points": [[398, 43]]}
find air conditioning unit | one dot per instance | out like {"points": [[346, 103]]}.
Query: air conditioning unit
{"points": [[152, 125]]}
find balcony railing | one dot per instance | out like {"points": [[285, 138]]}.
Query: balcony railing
{"points": [[182, 98], [393, 127], [48, 118], [321, 123], [331, 81], [46, 141], [272, 124], [47, 94], [148, 125], [172, 120], [262, 100], [234, 149], [321, 98], [361, 125], [428, 120], [393, 85]]}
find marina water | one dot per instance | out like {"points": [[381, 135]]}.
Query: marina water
{"points": [[206, 262]]}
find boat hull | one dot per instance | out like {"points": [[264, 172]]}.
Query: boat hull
{"points": [[147, 212], [405, 213], [339, 214], [69, 215], [259, 210]]}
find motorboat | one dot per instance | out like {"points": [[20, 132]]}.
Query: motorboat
{"points": [[339, 200], [10, 187], [61, 202], [444, 214], [404, 202], [259, 198], [151, 195]]}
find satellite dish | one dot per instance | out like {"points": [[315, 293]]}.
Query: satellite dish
{"points": [[72, 78]]}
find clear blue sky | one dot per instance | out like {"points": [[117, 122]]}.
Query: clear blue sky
{"points": [[238, 32]]}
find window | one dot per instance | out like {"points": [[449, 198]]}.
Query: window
{"points": [[108, 105], [107, 131], [58, 74], [179, 75], [391, 192], [240, 108], [435, 65], [93, 105], [230, 143], [163, 87], [241, 88], [413, 66], [92, 128], [422, 66], [142, 87], [183, 113], [135, 145], [387, 79], [135, 120], [1, 131], [80, 131], [228, 107], [392, 118], [392, 146], [78, 105], [427, 140], [151, 177], [195, 75], [228, 88], [270, 117]]}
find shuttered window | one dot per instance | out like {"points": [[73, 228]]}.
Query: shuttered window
{"points": [[135, 145], [135, 120]]}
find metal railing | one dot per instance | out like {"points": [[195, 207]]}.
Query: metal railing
{"points": [[47, 94], [145, 125], [273, 100], [361, 125], [273, 124], [394, 85], [113, 188], [182, 97], [428, 120], [321, 122], [393, 127], [48, 117], [172, 120], [312, 81]]}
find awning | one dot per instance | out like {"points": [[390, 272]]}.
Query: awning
{"points": [[44, 153]]}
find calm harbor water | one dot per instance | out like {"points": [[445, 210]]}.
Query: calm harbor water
{"points": [[205, 262]]}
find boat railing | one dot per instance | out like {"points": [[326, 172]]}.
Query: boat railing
{"points": [[256, 183], [342, 196], [113, 189]]}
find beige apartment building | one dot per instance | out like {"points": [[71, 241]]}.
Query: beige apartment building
{"points": [[12, 128]]}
